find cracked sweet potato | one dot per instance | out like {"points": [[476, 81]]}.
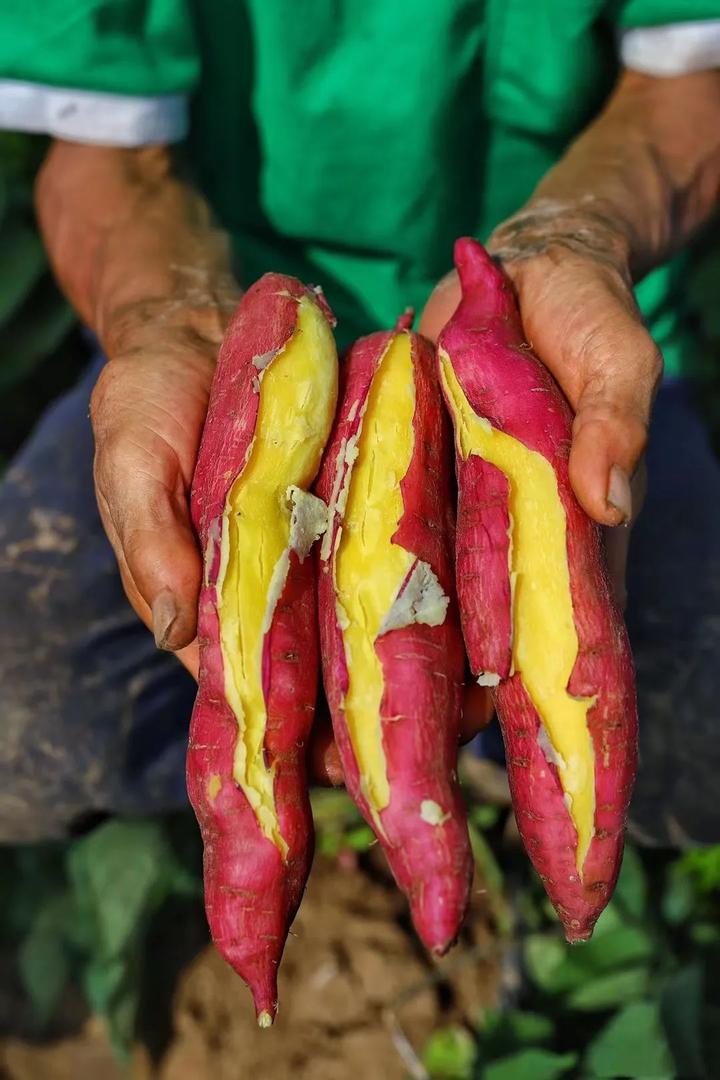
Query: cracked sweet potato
{"points": [[392, 652], [270, 414], [539, 622]]}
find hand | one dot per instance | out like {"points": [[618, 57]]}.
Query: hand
{"points": [[148, 410], [135, 250], [580, 315]]}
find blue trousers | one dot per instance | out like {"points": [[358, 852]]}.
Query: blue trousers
{"points": [[94, 718]]}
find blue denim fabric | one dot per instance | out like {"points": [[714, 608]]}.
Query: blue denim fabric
{"points": [[94, 718]]}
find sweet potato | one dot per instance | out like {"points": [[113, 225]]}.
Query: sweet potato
{"points": [[392, 652], [537, 614], [271, 408]]}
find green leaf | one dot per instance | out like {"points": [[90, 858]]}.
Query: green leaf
{"points": [[485, 817], [631, 889], [519, 1028], [678, 898], [121, 872], [450, 1054], [43, 964], [681, 1009], [557, 967], [703, 866], [29, 877], [608, 991], [492, 878], [705, 934], [113, 990], [360, 838], [530, 1065], [545, 957], [632, 1044], [503, 1033], [610, 919], [328, 843], [22, 265], [333, 809]]}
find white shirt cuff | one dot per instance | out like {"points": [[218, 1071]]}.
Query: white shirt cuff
{"points": [[92, 117], [673, 49]]}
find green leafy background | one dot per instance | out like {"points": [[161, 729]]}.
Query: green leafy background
{"points": [[640, 1000]]}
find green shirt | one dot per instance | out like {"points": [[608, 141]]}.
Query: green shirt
{"points": [[350, 141]]}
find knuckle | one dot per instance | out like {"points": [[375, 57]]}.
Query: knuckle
{"points": [[108, 455], [105, 394]]}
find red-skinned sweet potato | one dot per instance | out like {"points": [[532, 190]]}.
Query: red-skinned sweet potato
{"points": [[392, 653], [270, 414], [537, 614]]}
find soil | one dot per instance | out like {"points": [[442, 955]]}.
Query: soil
{"points": [[358, 997]]}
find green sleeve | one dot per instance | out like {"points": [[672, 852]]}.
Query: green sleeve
{"points": [[631, 14], [132, 47]]}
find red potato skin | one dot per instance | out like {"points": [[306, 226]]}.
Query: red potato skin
{"points": [[251, 894], [423, 665], [506, 383]]}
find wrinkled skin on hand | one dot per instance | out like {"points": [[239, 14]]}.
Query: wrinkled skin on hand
{"points": [[148, 410], [579, 313]]}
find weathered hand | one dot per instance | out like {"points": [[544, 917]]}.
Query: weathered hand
{"points": [[136, 252], [148, 410], [580, 315]]}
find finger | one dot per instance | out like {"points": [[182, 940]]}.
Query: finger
{"points": [[617, 540], [188, 656], [584, 325], [159, 562], [441, 306], [478, 711], [324, 758], [164, 562]]}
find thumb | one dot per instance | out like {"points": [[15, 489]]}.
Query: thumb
{"points": [[441, 306]]}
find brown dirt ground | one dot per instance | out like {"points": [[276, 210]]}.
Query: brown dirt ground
{"points": [[358, 999]]}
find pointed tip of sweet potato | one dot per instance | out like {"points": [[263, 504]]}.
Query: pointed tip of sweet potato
{"points": [[406, 320], [437, 911], [486, 290], [261, 977]]}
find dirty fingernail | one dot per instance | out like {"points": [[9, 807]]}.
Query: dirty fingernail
{"points": [[164, 614], [619, 496]]}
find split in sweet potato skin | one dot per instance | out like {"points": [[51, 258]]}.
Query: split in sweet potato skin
{"points": [[269, 417], [538, 618], [392, 652]]}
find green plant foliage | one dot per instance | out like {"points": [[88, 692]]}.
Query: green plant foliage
{"points": [[631, 891], [632, 1044], [533, 1064], [681, 1011], [556, 967], [81, 911], [44, 959], [339, 824], [609, 991], [702, 865], [491, 876], [451, 1054]]}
